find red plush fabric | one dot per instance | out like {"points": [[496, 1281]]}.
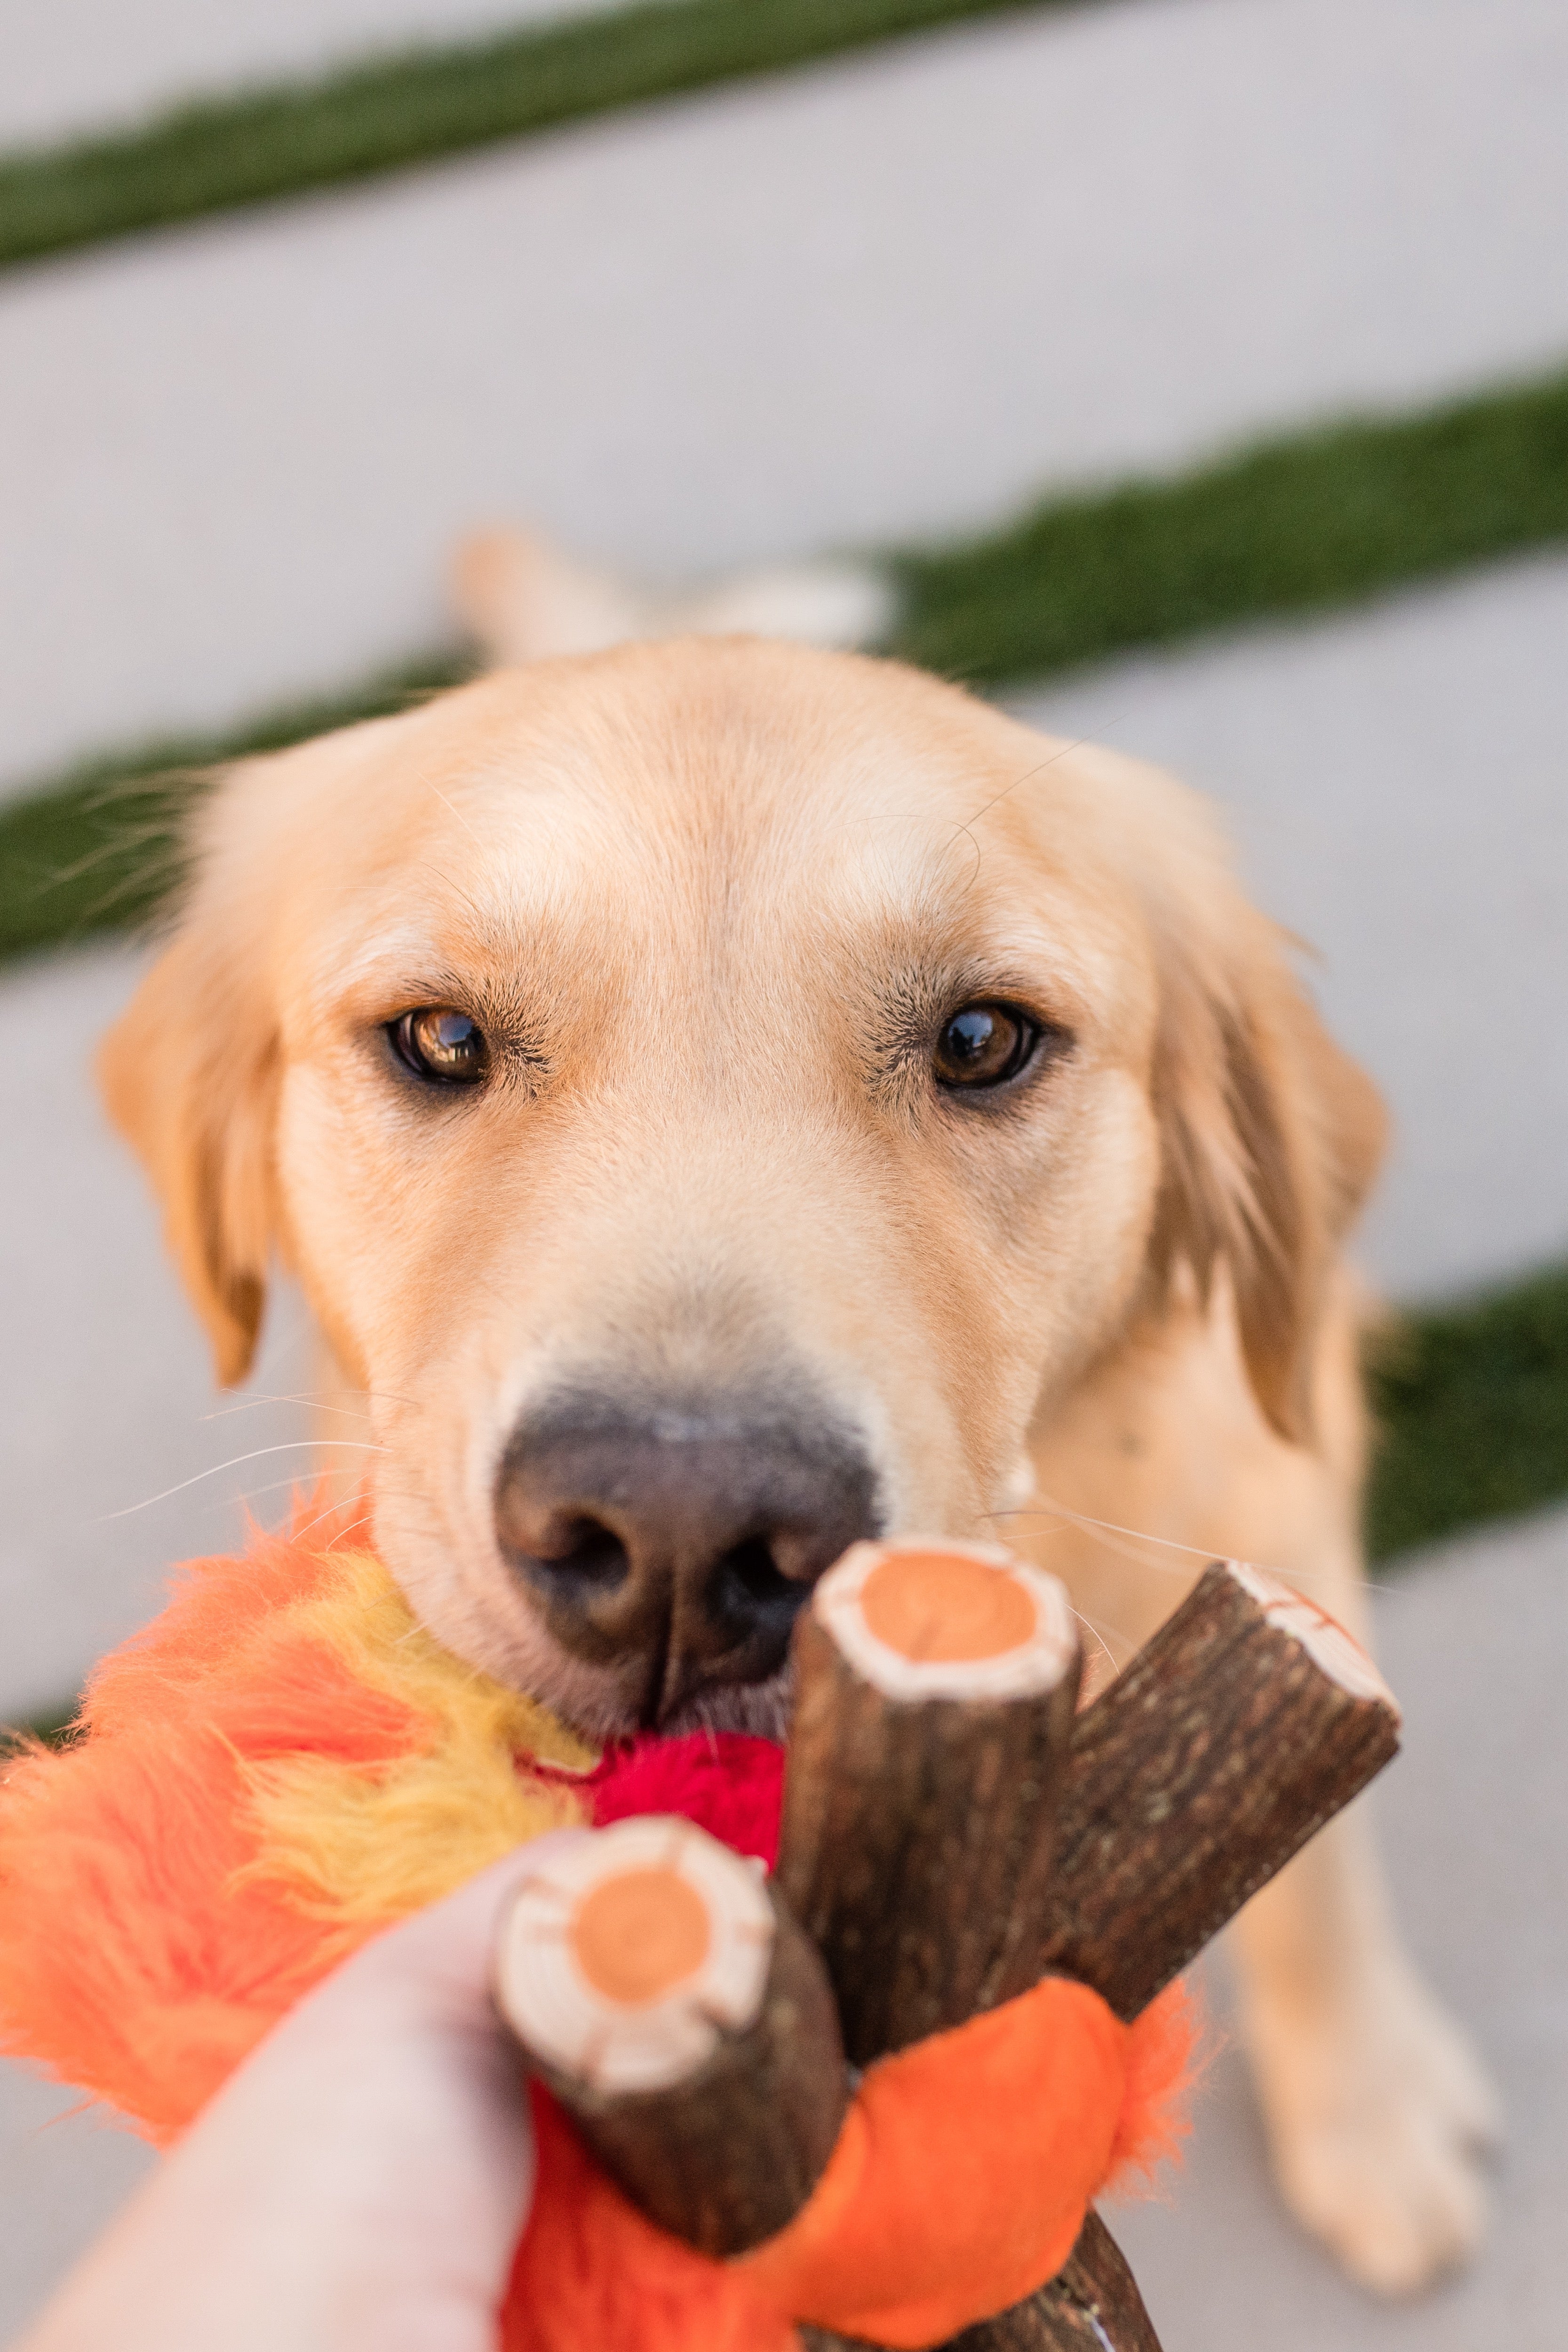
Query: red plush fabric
{"points": [[591, 2275], [729, 1784]]}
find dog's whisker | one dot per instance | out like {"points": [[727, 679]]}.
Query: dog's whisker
{"points": [[251, 1495], [317, 1399], [298, 1534], [1052, 1509], [290, 1445], [329, 1511], [255, 1494], [248, 1504], [1098, 1632], [1103, 1531], [363, 1521], [1057, 1526], [333, 1509]]}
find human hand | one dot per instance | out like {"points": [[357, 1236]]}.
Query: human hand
{"points": [[361, 2182]]}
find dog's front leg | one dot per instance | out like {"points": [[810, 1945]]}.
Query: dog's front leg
{"points": [[1376, 2110]]}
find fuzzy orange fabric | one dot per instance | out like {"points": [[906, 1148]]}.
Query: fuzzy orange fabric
{"points": [[217, 1838], [957, 2187], [151, 1927], [962, 2173], [135, 1960]]}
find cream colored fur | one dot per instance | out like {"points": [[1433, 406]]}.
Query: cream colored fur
{"points": [[713, 898]]}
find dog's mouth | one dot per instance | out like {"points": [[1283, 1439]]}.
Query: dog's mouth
{"points": [[608, 1706], [656, 1687], [759, 1709]]}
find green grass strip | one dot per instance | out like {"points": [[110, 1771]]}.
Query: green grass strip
{"points": [[1309, 523], [96, 851], [1471, 1402], [51, 1728], [258, 146], [1313, 522]]}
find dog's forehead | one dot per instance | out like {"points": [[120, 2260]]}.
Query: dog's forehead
{"points": [[734, 802], [671, 782], [714, 748]]}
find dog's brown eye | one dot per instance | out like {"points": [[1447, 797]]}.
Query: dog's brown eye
{"points": [[983, 1046], [440, 1044]]}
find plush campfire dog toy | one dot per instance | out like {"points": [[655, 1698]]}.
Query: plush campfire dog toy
{"points": [[868, 2098]]}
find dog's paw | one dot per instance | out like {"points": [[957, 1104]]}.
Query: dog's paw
{"points": [[1379, 2124]]}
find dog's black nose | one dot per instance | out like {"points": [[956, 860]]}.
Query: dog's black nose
{"points": [[675, 1544]]}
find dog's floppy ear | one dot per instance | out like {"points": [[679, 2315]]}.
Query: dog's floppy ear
{"points": [[192, 1073], [1270, 1135], [189, 1074]]}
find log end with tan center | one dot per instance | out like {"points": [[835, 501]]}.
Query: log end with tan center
{"points": [[660, 1989], [936, 1685]]}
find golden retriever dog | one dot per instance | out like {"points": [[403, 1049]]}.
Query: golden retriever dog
{"points": [[720, 1099]]}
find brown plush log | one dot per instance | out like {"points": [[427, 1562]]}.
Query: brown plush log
{"points": [[935, 1696], [1092, 2306], [660, 1988], [1248, 1722]]}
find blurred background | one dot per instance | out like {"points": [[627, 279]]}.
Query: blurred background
{"points": [[884, 300]]}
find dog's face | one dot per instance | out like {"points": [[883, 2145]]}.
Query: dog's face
{"points": [[715, 1098]]}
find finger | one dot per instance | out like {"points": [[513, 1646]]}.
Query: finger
{"points": [[443, 1956]]}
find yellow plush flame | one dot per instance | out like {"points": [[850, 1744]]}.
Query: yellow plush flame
{"points": [[355, 1843]]}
